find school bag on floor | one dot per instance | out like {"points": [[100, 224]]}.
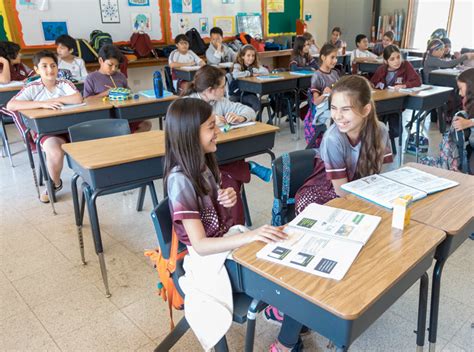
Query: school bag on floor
{"points": [[98, 39], [85, 51], [196, 43]]}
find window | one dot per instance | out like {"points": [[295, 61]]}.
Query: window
{"points": [[462, 28]]}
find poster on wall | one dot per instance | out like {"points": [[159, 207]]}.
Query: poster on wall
{"points": [[275, 5], [138, 2], [226, 23], [109, 11], [186, 6], [203, 25], [52, 30], [141, 22]]}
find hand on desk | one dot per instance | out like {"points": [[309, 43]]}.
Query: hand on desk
{"points": [[227, 197], [399, 86], [51, 104], [267, 234]]}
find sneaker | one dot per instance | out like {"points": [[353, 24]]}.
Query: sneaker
{"points": [[296, 348], [44, 197], [273, 315], [260, 171]]}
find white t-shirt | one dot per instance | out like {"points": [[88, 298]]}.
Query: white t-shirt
{"points": [[37, 91], [362, 53], [176, 56], [77, 68]]}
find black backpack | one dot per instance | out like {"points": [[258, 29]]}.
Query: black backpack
{"points": [[196, 43], [85, 51], [98, 39]]}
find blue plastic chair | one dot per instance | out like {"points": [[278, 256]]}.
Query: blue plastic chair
{"points": [[245, 308]]}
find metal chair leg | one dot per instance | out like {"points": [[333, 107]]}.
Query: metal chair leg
{"points": [[422, 308], [141, 198], [251, 321], [173, 337], [6, 144], [32, 165], [248, 219], [78, 216], [221, 346]]}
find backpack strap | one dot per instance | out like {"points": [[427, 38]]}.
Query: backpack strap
{"points": [[171, 267], [91, 48], [286, 178]]}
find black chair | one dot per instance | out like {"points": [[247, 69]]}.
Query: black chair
{"points": [[169, 80], [96, 129], [6, 120], [245, 308], [301, 167], [284, 104]]}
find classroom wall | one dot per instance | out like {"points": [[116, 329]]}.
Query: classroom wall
{"points": [[388, 6], [318, 26], [353, 16]]}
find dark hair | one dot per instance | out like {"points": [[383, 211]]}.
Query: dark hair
{"points": [[66, 40], [326, 50], [216, 30], [44, 53], [389, 50], [9, 50], [359, 38], [389, 34], [372, 149], [183, 146], [307, 36], [239, 58], [446, 41], [337, 29], [110, 51], [181, 38], [467, 77], [298, 46], [206, 77], [434, 44]]}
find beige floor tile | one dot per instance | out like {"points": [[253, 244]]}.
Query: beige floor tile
{"points": [[11, 302], [23, 263], [450, 347], [53, 283], [22, 237], [465, 335], [113, 332], [23, 332], [63, 315]]}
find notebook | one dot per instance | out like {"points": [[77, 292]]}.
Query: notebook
{"points": [[385, 188], [71, 106], [227, 127], [268, 77], [412, 90], [150, 93], [190, 68], [322, 240], [301, 73]]}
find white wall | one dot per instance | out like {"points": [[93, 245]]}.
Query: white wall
{"points": [[318, 26]]}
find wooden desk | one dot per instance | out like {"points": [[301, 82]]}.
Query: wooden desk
{"points": [[142, 108], [451, 211], [6, 93], [280, 58], [111, 165], [389, 264], [185, 74], [371, 65], [284, 84], [423, 102]]}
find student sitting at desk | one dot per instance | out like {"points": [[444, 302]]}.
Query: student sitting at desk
{"points": [[362, 50], [209, 85], [11, 67], [336, 38], [182, 56], [49, 92], [433, 59], [301, 60], [247, 64], [199, 204], [66, 60], [387, 40], [218, 52], [314, 48], [397, 74], [356, 145], [108, 76]]}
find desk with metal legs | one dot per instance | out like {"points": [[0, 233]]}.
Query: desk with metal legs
{"points": [[388, 265]]}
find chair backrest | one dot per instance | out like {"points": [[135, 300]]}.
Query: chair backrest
{"points": [[169, 80], [98, 129], [301, 167], [163, 223]]}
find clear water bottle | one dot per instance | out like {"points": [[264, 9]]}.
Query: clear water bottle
{"points": [[158, 84]]}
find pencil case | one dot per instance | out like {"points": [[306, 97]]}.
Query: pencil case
{"points": [[119, 94]]}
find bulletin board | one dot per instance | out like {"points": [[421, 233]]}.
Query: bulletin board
{"points": [[47, 18], [205, 14], [281, 16], [4, 24]]}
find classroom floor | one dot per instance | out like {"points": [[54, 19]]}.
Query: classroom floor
{"points": [[50, 302]]}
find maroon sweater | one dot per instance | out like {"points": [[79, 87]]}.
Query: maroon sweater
{"points": [[406, 74]]}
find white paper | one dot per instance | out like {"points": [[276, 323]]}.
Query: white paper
{"points": [[239, 125], [381, 190], [12, 84], [420, 180], [412, 90], [71, 106], [190, 68]]}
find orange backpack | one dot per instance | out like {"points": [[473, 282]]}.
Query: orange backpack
{"points": [[166, 268]]}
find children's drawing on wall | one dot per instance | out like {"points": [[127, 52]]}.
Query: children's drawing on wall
{"points": [[52, 30], [228, 1], [226, 23], [109, 11], [138, 2], [184, 25], [186, 6], [141, 22], [204, 25], [42, 5]]}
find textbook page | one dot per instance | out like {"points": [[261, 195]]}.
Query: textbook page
{"points": [[329, 258], [420, 180], [71, 106], [381, 190], [336, 223]]}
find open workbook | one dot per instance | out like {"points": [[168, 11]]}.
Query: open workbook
{"points": [[385, 188], [322, 240]]}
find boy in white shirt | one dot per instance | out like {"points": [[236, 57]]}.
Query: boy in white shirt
{"points": [[217, 51], [49, 93], [362, 50], [67, 61]]}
